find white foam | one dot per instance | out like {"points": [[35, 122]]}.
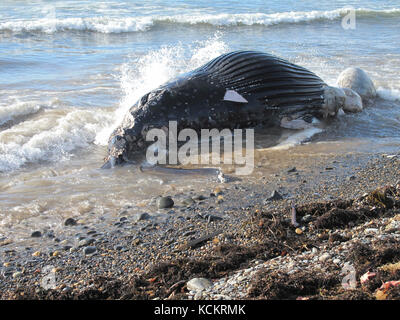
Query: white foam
{"points": [[296, 138], [17, 109], [113, 24], [53, 137], [389, 94], [143, 74]]}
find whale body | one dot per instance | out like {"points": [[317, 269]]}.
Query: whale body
{"points": [[241, 89]]}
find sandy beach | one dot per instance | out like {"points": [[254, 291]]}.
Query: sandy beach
{"points": [[246, 244]]}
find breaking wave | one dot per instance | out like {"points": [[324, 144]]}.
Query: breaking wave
{"points": [[111, 24]]}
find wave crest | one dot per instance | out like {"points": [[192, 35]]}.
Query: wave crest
{"points": [[105, 24]]}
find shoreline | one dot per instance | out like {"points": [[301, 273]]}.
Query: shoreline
{"points": [[234, 237]]}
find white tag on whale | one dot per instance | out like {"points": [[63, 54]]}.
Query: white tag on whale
{"points": [[232, 95]]}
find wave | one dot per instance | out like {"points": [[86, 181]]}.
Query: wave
{"points": [[52, 137], [108, 24], [389, 94], [145, 73]]}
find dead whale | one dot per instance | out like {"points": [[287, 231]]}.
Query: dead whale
{"points": [[241, 89]]}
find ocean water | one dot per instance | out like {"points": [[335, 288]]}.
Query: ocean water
{"points": [[69, 71]]}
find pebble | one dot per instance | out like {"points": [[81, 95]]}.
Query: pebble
{"points": [[36, 234], [85, 242], [70, 222], [165, 202], [140, 216], [198, 284], [275, 195], [371, 230], [89, 250], [199, 198], [188, 201], [36, 254], [324, 257], [17, 274]]}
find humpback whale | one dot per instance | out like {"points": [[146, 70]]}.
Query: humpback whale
{"points": [[240, 89]]}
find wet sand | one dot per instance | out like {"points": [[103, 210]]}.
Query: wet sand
{"points": [[225, 230]]}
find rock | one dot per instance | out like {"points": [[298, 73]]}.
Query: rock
{"points": [[298, 231], [17, 274], [36, 234], [140, 216], [351, 178], [188, 201], [70, 222], [165, 202], [89, 250], [353, 102], [292, 170], [324, 257], [334, 100], [307, 218], [198, 284], [36, 254], [199, 198], [275, 195], [85, 242], [358, 80], [371, 231]]}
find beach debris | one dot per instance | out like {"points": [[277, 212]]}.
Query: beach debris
{"points": [[382, 292], [293, 217], [200, 241], [367, 276]]}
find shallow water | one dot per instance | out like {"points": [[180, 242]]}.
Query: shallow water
{"points": [[70, 70]]}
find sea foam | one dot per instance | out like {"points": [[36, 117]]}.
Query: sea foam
{"points": [[113, 24]]}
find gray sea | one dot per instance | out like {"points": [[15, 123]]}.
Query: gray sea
{"points": [[69, 71]]}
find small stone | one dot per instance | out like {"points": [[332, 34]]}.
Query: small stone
{"points": [[307, 218], [351, 178], [89, 250], [298, 231], [140, 216], [36, 254], [70, 222], [198, 284], [292, 170], [371, 230], [85, 242], [17, 274], [188, 201], [275, 195], [36, 234], [324, 257], [199, 198], [165, 202], [56, 253]]}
